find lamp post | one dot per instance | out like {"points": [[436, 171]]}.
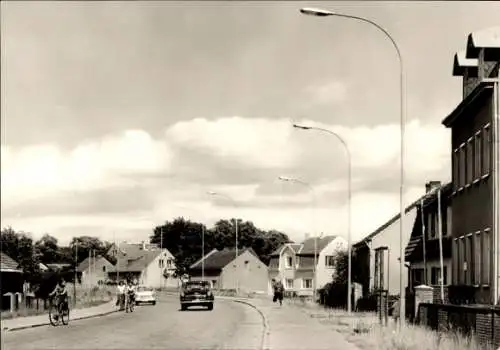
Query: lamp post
{"points": [[212, 193], [313, 193], [349, 206], [325, 13]]}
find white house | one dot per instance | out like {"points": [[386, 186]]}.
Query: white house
{"points": [[245, 272], [146, 263], [94, 270], [293, 263]]}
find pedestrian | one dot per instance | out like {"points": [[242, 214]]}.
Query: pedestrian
{"points": [[278, 289], [120, 297]]}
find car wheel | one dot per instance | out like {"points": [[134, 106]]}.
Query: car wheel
{"points": [[154, 303], [210, 307], [183, 308]]}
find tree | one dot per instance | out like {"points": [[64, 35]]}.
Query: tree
{"points": [[19, 246], [183, 238], [48, 250], [82, 246]]}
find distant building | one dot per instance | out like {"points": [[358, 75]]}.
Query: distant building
{"points": [[426, 268], [146, 263], [246, 272], [94, 271], [293, 263]]}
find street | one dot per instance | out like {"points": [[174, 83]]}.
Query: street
{"points": [[230, 325]]}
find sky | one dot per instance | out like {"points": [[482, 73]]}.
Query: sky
{"points": [[117, 116]]}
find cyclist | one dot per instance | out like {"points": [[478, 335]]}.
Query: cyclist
{"points": [[130, 292], [61, 294]]}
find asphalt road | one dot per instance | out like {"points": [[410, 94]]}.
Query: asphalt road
{"points": [[229, 325]]}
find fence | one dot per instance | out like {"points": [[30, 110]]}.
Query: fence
{"points": [[482, 322]]}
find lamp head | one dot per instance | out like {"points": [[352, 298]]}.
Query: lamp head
{"points": [[316, 12]]}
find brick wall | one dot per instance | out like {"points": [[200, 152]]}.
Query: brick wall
{"points": [[436, 294], [481, 321]]}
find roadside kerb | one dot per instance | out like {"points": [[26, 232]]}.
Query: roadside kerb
{"points": [[265, 331], [47, 323]]}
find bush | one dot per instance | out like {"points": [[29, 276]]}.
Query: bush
{"points": [[367, 303]]}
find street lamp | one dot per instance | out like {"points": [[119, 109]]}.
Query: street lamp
{"points": [[212, 193], [349, 206], [325, 13], [313, 193]]}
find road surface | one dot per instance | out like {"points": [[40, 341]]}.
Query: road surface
{"points": [[229, 326]]}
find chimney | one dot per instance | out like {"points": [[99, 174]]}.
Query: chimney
{"points": [[432, 185]]}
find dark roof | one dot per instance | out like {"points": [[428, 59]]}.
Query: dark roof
{"points": [[484, 39], [307, 247], [217, 260], [460, 63], [84, 265], [475, 97], [7, 264]]}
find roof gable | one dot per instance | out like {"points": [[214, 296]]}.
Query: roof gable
{"points": [[84, 265], [218, 259], [308, 246], [8, 264], [484, 39]]}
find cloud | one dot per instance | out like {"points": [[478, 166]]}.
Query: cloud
{"points": [[41, 171], [134, 177]]}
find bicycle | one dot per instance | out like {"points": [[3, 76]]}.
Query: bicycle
{"points": [[58, 312], [129, 303]]}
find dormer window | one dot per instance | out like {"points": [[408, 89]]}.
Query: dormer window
{"points": [[288, 262]]}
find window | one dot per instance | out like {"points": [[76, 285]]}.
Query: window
{"points": [[462, 167], [329, 261], [436, 275], [307, 283], [454, 261], [456, 170], [289, 283], [486, 255], [430, 224], [477, 258], [470, 161], [288, 262], [468, 259], [418, 276], [160, 263], [461, 261], [169, 263], [104, 269], [477, 156], [449, 220], [486, 149]]}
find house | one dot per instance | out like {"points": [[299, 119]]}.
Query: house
{"points": [[146, 263], [10, 275], [379, 253], [475, 169], [94, 270], [423, 250], [325, 248], [293, 263], [245, 272], [283, 264]]}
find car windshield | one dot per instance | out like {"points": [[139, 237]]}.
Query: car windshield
{"points": [[197, 284], [144, 289]]}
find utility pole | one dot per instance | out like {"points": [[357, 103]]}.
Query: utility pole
{"points": [[161, 254], [76, 273]]}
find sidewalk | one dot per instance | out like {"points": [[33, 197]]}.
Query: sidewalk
{"points": [[19, 323], [290, 328]]}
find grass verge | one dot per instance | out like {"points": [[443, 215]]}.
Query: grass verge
{"points": [[85, 297], [364, 330]]}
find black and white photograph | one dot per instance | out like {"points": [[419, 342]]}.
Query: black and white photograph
{"points": [[250, 175]]}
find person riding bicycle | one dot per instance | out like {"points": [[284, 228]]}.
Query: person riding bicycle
{"points": [[130, 289], [61, 295]]}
